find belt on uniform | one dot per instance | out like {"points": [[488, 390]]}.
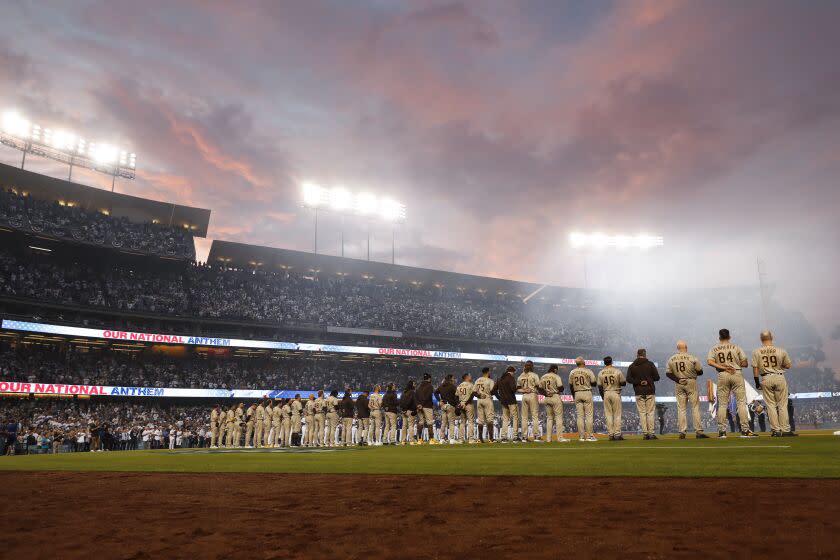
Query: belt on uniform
{"points": [[582, 390], [771, 373]]}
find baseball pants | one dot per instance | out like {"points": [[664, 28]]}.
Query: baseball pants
{"points": [[390, 435], [346, 431], [258, 434], [447, 421], [296, 424], [332, 423], [486, 412], [687, 397], [612, 412], [728, 383], [237, 435], [468, 422], [408, 427], [530, 409], [510, 413], [276, 434], [309, 438], [375, 435], [214, 436], [553, 417], [364, 427], [249, 434], [775, 390], [585, 413], [646, 405], [318, 429]]}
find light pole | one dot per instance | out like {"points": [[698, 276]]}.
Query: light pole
{"points": [[362, 205]]}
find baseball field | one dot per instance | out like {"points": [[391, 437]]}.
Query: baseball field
{"points": [[776, 497]]}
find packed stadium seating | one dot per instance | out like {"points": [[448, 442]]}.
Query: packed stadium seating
{"points": [[72, 223]]}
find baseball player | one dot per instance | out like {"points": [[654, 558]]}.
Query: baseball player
{"points": [[259, 424], [769, 363], [375, 405], [320, 420], [249, 425], [286, 423], [728, 359], [391, 407], [230, 420], [309, 416], [683, 369], [269, 433], [551, 386], [297, 407], [347, 409], [238, 420], [215, 415], [426, 407], [466, 392], [363, 414], [581, 381], [408, 406], [483, 388], [643, 375], [331, 404], [610, 382], [526, 385], [277, 417], [505, 391], [446, 394]]}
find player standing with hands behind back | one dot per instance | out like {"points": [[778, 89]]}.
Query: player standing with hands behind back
{"points": [[769, 364], [581, 381], [683, 369], [728, 359]]}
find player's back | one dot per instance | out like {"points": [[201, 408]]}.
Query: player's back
{"points": [[684, 365], [771, 359], [551, 383], [728, 355], [581, 379], [610, 379]]}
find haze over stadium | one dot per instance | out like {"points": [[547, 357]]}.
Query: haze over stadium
{"points": [[275, 237]]}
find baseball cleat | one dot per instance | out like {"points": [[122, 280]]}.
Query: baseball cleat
{"points": [[701, 435], [722, 435], [612, 437], [581, 439], [748, 434], [591, 438], [646, 436], [789, 434], [682, 435], [653, 436], [563, 440], [619, 437]]}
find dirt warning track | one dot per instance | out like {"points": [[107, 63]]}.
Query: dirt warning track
{"points": [[257, 516]]}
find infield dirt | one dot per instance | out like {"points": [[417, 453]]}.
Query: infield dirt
{"points": [[261, 516]]}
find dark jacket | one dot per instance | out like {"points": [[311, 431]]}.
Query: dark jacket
{"points": [[346, 407], [390, 403], [505, 389], [362, 407], [642, 375], [423, 394], [407, 401], [446, 393]]}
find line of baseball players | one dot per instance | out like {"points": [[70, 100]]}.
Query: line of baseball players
{"points": [[280, 424]]}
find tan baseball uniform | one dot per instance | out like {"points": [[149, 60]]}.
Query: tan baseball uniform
{"points": [[286, 425], [332, 419], [465, 392], [581, 381], [269, 433], [685, 366], [230, 418], [484, 387], [526, 384], [552, 385], [375, 405], [309, 415], [214, 428], [610, 379], [249, 425], [771, 362], [277, 425], [297, 408], [259, 425], [238, 417], [730, 355], [320, 421]]}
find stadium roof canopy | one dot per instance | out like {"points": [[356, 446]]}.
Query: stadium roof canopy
{"points": [[243, 256], [133, 208]]}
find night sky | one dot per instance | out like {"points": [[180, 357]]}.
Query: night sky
{"points": [[501, 125]]}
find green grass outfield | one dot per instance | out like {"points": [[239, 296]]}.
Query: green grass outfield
{"points": [[815, 455]]}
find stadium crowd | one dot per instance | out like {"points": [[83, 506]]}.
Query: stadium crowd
{"points": [[94, 227]]}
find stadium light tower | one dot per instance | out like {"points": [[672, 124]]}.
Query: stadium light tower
{"points": [[587, 242], [363, 204], [18, 132]]}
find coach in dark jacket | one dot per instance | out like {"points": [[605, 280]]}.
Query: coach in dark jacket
{"points": [[425, 406], [389, 400], [505, 391], [643, 375]]}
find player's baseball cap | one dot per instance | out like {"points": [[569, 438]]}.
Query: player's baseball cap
{"points": [[608, 361], [426, 377], [724, 334]]}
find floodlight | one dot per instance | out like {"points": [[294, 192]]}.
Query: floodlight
{"points": [[340, 199], [577, 239], [104, 153], [312, 194], [365, 203], [599, 240], [391, 210], [15, 124], [63, 140]]}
